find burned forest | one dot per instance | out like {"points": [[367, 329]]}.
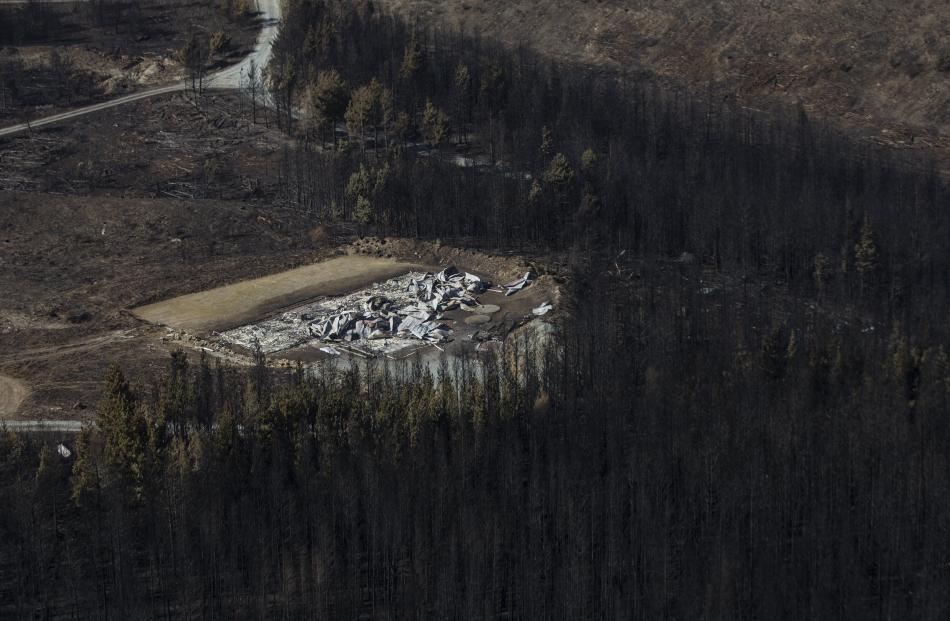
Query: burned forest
{"points": [[414, 323]]}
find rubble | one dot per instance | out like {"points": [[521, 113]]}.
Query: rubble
{"points": [[480, 336], [384, 318], [517, 285]]}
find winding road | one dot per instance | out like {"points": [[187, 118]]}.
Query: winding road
{"points": [[228, 78]]}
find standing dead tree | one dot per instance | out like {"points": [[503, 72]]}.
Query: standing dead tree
{"points": [[253, 89], [195, 57]]}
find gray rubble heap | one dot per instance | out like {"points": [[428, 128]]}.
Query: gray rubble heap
{"points": [[517, 285], [384, 318], [380, 317]]}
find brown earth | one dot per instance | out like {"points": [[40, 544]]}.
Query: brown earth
{"points": [[243, 302], [497, 265], [54, 57], [73, 264], [157, 148], [76, 260], [12, 393], [878, 66]]}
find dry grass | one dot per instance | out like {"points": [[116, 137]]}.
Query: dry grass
{"points": [[233, 305]]}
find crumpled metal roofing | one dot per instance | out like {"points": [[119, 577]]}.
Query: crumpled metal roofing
{"points": [[383, 318], [517, 285]]}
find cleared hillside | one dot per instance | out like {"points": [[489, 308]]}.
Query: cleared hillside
{"points": [[878, 65]]}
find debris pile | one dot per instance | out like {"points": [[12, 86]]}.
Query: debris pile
{"points": [[543, 309], [517, 285], [382, 318]]}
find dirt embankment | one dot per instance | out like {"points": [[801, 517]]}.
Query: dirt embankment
{"points": [[12, 394], [499, 265], [243, 302]]}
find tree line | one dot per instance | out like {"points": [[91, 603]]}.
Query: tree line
{"points": [[678, 460]]}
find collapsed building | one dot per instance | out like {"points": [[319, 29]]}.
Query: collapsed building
{"points": [[385, 318], [382, 317]]}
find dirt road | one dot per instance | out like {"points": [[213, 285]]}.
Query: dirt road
{"points": [[12, 393], [80, 346], [228, 78], [243, 302], [234, 76], [65, 116]]}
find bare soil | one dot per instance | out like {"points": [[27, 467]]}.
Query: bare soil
{"points": [[243, 302], [72, 265], [156, 148], [496, 265], [12, 393]]}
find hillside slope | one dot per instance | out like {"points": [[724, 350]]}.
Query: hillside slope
{"points": [[876, 65]]}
